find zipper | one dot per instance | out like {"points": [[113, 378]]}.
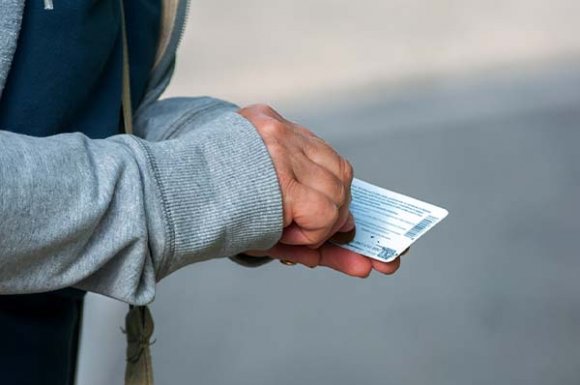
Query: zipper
{"points": [[48, 5], [176, 36], [158, 78], [183, 25]]}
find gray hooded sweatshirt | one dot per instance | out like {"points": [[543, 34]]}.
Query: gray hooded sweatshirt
{"points": [[114, 216]]}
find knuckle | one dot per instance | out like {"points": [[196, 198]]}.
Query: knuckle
{"points": [[254, 110], [305, 131], [331, 214], [270, 111], [262, 107], [340, 193], [273, 127], [347, 170], [293, 191], [288, 191]]}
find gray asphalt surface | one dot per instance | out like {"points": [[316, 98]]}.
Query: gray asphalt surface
{"points": [[491, 296]]}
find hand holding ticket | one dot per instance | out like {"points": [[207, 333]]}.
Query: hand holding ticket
{"points": [[387, 223]]}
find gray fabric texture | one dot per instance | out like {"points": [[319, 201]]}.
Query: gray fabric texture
{"points": [[10, 20], [114, 216]]}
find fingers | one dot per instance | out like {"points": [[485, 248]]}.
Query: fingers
{"points": [[322, 180], [353, 264], [342, 260], [331, 256], [314, 215], [316, 224], [298, 254], [348, 226], [328, 220], [389, 267], [343, 236], [327, 159], [386, 267], [315, 180], [345, 261], [339, 259], [323, 154]]}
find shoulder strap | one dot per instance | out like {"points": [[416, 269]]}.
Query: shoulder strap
{"points": [[126, 96], [138, 322], [139, 329]]}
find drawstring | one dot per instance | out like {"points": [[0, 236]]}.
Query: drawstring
{"points": [[126, 93], [48, 5]]}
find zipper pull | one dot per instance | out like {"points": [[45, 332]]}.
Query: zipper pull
{"points": [[48, 5]]}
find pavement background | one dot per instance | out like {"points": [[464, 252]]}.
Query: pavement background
{"points": [[470, 105]]}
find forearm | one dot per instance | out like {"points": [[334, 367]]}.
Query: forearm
{"points": [[69, 207], [114, 216]]}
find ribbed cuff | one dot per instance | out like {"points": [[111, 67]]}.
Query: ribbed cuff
{"points": [[219, 192]]}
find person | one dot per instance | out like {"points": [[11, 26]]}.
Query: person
{"points": [[84, 207]]}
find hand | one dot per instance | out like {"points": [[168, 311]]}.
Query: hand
{"points": [[315, 182]]}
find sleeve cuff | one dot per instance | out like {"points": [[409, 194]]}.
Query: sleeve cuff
{"points": [[219, 192]]}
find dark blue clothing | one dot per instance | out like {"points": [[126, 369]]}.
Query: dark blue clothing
{"points": [[66, 73], [66, 76], [40, 337]]}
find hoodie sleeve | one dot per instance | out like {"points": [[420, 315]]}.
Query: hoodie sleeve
{"points": [[114, 216], [174, 117]]}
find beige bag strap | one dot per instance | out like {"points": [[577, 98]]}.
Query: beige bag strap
{"points": [[127, 108], [138, 322], [139, 329]]}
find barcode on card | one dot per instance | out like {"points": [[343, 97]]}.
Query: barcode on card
{"points": [[387, 253], [420, 227]]}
